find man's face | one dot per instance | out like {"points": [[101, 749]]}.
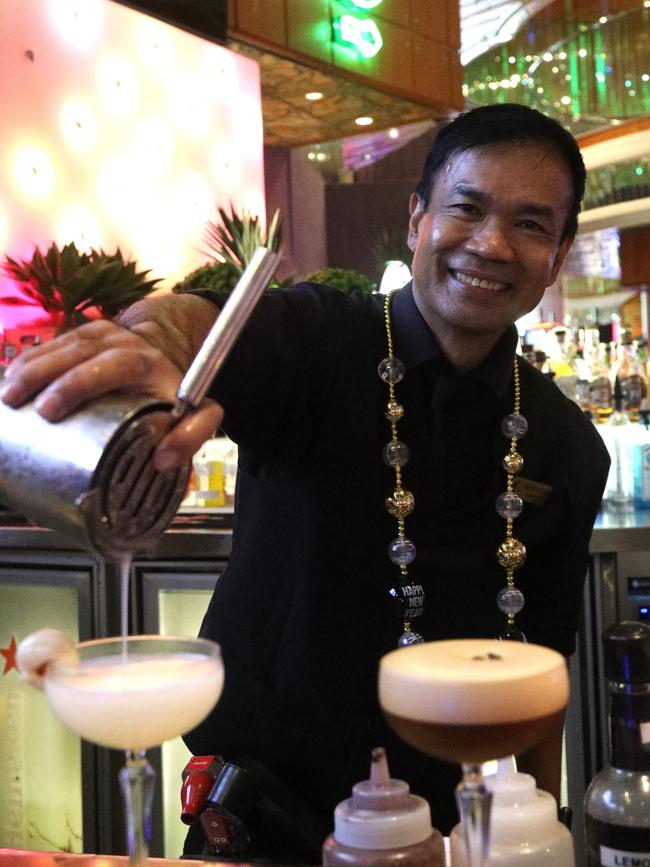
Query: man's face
{"points": [[489, 242]]}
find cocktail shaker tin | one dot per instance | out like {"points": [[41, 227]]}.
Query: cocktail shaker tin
{"points": [[90, 476]]}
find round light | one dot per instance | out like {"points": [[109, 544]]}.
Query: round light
{"points": [[547, 56], [363, 121], [603, 19], [566, 100], [583, 52], [314, 95], [393, 132], [34, 172]]}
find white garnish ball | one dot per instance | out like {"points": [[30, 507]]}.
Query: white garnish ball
{"points": [[39, 649]]}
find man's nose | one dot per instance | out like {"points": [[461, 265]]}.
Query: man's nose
{"points": [[489, 239]]}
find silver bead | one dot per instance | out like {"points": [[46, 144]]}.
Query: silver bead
{"points": [[396, 453], [409, 637], [401, 552], [510, 600], [391, 370], [509, 505], [514, 425]]}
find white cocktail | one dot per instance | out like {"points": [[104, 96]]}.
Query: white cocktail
{"points": [[128, 694], [134, 704], [471, 700]]}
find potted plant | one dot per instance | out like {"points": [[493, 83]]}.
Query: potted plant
{"points": [[67, 283], [344, 279], [231, 242]]}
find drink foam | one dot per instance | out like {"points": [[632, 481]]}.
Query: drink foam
{"points": [[473, 681]]}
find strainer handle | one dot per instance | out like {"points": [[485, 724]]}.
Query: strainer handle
{"points": [[224, 332]]}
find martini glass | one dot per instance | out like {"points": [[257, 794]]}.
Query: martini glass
{"points": [[470, 700], [132, 694]]}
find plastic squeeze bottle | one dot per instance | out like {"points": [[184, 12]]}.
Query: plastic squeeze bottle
{"points": [[383, 825], [524, 828]]}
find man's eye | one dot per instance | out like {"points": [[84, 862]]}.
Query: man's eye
{"points": [[465, 207], [533, 225]]}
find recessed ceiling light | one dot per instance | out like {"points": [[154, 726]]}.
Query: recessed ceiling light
{"points": [[393, 132], [363, 121], [314, 95]]}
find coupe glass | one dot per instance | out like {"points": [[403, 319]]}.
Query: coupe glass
{"points": [[470, 700], [132, 694]]}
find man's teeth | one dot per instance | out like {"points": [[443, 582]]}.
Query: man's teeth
{"points": [[475, 281]]}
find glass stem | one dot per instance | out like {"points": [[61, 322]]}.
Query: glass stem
{"points": [[137, 779], [474, 803]]}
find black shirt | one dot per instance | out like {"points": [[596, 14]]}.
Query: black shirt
{"points": [[302, 611]]}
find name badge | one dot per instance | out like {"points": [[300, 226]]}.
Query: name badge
{"points": [[536, 493]]}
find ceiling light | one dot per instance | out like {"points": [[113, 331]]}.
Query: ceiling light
{"points": [[363, 121], [394, 132], [313, 95]]}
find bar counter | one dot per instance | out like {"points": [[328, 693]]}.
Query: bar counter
{"points": [[25, 858], [75, 804]]}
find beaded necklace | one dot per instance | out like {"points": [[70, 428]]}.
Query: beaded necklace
{"points": [[408, 598]]}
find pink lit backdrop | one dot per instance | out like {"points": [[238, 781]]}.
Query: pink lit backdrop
{"points": [[117, 129]]}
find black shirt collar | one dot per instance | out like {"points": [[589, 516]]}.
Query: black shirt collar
{"points": [[416, 344]]}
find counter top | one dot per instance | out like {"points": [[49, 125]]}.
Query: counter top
{"points": [[25, 858], [621, 530], [614, 530]]}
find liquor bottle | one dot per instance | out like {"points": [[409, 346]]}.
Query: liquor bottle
{"points": [[600, 387], [633, 384], [617, 802], [641, 459], [617, 434]]}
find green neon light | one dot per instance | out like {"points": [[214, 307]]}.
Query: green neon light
{"points": [[366, 4], [361, 33]]}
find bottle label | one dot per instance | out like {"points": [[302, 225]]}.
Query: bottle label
{"points": [[620, 858], [616, 845], [644, 728], [645, 473]]}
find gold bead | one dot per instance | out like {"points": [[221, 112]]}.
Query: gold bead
{"points": [[511, 554], [400, 503], [394, 410], [513, 463]]}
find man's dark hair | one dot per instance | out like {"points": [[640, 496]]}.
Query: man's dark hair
{"points": [[500, 124]]}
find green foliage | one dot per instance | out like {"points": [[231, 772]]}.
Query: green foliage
{"points": [[65, 281], [232, 242], [234, 238], [218, 277], [342, 278]]}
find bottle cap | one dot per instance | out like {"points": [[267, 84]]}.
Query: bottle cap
{"points": [[382, 813], [520, 811], [626, 652]]}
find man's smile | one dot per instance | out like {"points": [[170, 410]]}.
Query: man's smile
{"points": [[473, 280]]}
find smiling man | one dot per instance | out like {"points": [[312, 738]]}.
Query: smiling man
{"points": [[331, 541]]}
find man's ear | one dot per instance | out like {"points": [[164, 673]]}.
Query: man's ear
{"points": [[560, 256], [416, 212]]}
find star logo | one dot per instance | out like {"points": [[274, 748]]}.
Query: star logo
{"points": [[9, 654]]}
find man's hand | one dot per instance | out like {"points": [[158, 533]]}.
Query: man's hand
{"points": [[146, 354]]}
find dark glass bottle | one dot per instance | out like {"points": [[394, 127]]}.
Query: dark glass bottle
{"points": [[617, 802]]}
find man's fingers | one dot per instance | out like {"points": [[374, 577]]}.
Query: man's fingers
{"points": [[92, 361], [188, 436]]}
